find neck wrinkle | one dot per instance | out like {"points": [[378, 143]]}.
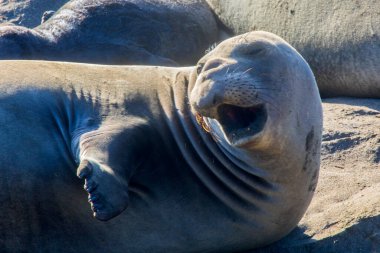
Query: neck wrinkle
{"points": [[217, 169]]}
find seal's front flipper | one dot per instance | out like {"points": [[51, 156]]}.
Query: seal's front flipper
{"points": [[109, 155], [107, 193]]}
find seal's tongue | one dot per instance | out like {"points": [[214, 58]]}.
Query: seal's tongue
{"points": [[241, 123]]}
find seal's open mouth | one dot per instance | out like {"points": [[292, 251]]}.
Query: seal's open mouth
{"points": [[241, 123]]}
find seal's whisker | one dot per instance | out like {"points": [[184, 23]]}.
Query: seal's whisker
{"points": [[260, 86], [268, 101], [264, 88], [264, 80], [267, 96], [234, 71], [247, 71]]}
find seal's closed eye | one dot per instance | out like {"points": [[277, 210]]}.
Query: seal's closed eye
{"points": [[253, 51]]}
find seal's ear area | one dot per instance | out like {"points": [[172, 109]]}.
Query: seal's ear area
{"points": [[107, 193]]}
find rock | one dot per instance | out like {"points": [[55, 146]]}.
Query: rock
{"points": [[344, 215], [339, 39]]}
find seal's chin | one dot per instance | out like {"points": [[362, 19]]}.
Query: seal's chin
{"points": [[241, 124]]}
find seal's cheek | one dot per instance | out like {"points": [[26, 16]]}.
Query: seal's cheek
{"points": [[241, 124]]}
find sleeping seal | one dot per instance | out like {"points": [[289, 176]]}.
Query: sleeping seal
{"points": [[218, 158], [149, 32]]}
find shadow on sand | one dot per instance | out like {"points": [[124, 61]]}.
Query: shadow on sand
{"points": [[363, 237]]}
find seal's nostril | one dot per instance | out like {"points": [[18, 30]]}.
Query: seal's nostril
{"points": [[199, 68], [84, 169]]}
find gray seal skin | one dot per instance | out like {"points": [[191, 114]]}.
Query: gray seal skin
{"points": [[222, 157], [25, 12], [152, 32], [339, 39]]}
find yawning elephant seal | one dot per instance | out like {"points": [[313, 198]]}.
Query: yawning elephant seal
{"points": [[152, 32], [218, 158]]}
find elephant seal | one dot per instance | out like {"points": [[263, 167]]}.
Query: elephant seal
{"points": [[220, 157], [25, 12], [339, 39], [152, 32]]}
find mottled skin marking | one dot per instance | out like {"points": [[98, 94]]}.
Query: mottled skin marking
{"points": [[308, 146], [311, 148], [313, 181], [309, 140]]}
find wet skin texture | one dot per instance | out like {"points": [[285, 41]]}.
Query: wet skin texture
{"points": [[151, 32], [222, 157]]}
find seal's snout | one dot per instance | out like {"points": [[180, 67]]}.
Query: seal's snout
{"points": [[212, 90], [233, 101], [206, 97], [236, 88]]}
